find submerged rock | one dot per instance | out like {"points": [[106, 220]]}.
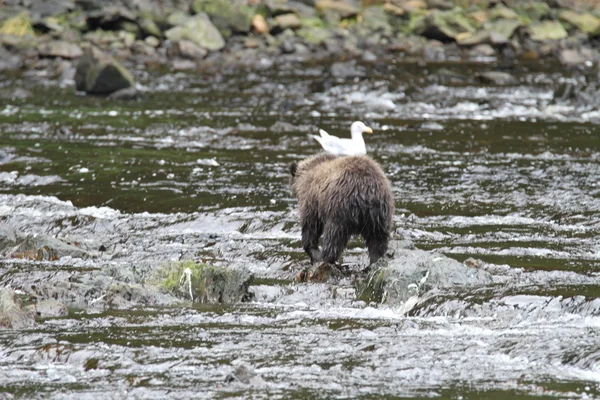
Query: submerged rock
{"points": [[98, 73], [411, 272], [12, 315], [203, 283]]}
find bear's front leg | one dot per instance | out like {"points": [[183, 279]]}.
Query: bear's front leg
{"points": [[311, 231]]}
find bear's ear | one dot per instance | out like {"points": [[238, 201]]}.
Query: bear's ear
{"points": [[293, 168]]}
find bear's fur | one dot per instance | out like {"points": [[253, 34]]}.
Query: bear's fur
{"points": [[339, 197]]}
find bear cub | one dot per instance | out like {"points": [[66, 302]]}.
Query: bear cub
{"points": [[339, 197]]}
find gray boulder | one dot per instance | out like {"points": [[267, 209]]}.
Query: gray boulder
{"points": [[198, 29], [98, 73], [228, 16], [410, 273], [60, 48]]}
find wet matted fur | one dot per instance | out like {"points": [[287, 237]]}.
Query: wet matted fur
{"points": [[339, 197]]}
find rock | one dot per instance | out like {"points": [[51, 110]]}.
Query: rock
{"points": [[287, 21], [348, 69], [51, 7], [9, 61], [472, 39], [244, 374], [48, 24], [444, 26], [278, 7], [259, 23], [571, 57], [11, 313], [19, 25], [98, 73], [184, 65], [227, 15], [585, 22], [50, 308], [338, 8], [200, 30], [60, 48], [149, 27], [535, 10], [504, 28], [375, 19], [393, 10], [502, 12], [484, 50], [188, 49], [323, 272], [412, 273], [547, 30], [445, 76], [152, 41], [129, 93], [203, 283], [496, 78], [110, 18], [314, 35]]}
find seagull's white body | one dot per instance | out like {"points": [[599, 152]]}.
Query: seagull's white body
{"points": [[345, 147]]}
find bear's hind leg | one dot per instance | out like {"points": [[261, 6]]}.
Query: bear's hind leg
{"points": [[334, 242], [377, 246], [311, 231]]}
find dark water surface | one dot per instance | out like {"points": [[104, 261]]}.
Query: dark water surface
{"points": [[197, 170]]}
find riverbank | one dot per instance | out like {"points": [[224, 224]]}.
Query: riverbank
{"points": [[194, 35]]}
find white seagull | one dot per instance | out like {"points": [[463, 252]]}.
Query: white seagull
{"points": [[345, 147]]}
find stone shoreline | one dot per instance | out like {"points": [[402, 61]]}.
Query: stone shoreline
{"points": [[189, 35]]}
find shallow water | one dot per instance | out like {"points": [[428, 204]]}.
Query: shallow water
{"points": [[197, 170]]}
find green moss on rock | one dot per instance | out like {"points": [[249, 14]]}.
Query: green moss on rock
{"points": [[203, 283]]}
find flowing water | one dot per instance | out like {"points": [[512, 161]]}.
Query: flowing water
{"points": [[197, 170]]}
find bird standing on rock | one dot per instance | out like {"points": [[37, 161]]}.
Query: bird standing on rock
{"points": [[345, 147]]}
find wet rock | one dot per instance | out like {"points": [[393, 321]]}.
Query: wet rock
{"points": [[200, 30], [496, 78], [98, 73], [12, 315], [445, 76], [287, 21], [314, 35], [444, 25], [349, 69], [13, 94], [412, 273], [184, 65], [535, 10], [336, 9], [244, 374], [375, 19], [110, 18], [50, 309], [60, 48], [483, 50], [203, 283], [500, 11], [547, 30], [228, 16], [323, 272]]}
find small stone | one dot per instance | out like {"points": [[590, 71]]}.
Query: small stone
{"points": [[126, 94], [288, 21], [188, 49], [393, 9], [182, 65], [259, 23], [341, 9], [472, 39], [152, 41], [251, 43]]}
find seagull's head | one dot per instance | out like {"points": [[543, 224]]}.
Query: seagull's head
{"points": [[358, 128]]}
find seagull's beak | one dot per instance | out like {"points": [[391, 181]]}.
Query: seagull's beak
{"points": [[369, 130]]}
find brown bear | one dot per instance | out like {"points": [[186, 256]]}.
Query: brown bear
{"points": [[339, 196]]}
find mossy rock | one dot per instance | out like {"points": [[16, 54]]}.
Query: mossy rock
{"points": [[314, 35], [19, 25], [547, 30], [533, 11], [200, 30], [98, 73], [227, 16], [585, 22], [203, 283], [444, 25]]}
